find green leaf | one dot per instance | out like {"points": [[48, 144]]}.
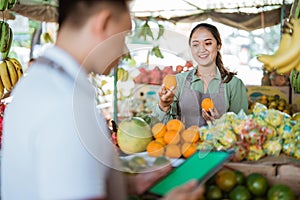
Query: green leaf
{"points": [[160, 31]]}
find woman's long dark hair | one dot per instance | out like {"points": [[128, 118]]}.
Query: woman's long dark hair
{"points": [[226, 75]]}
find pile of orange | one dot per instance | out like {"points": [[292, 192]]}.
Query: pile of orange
{"points": [[173, 140]]}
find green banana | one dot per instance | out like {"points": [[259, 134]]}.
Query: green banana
{"points": [[297, 84], [156, 51], [5, 29], [3, 5], [12, 72], [5, 54], [145, 30], [5, 76], [292, 77], [11, 4], [161, 31]]}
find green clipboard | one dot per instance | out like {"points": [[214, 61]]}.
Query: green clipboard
{"points": [[200, 166]]}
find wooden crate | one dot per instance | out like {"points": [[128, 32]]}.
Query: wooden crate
{"points": [[287, 174], [266, 170]]}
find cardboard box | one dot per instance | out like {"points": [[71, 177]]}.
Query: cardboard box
{"points": [[255, 92]]}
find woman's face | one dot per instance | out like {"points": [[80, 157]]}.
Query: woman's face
{"points": [[204, 47]]}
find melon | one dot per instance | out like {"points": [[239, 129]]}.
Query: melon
{"points": [[133, 135]]}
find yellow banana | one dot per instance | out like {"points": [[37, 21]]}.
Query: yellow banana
{"points": [[5, 76], [289, 67], [293, 51], [284, 45], [18, 66], [125, 76], [267, 67], [12, 72], [120, 74], [1, 89], [297, 68]]}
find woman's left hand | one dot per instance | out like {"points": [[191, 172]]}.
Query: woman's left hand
{"points": [[211, 116]]}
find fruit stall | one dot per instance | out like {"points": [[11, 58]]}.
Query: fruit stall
{"points": [[266, 141], [266, 163]]}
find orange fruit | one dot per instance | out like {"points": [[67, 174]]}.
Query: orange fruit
{"points": [[169, 81], [172, 137], [161, 140], [207, 103], [158, 130], [155, 149], [188, 149], [190, 135], [175, 125], [172, 151]]}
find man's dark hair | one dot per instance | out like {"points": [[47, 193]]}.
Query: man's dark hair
{"points": [[77, 11]]}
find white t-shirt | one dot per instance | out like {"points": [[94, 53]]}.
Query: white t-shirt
{"points": [[55, 143]]}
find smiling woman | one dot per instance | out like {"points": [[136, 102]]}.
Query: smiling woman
{"points": [[208, 79]]}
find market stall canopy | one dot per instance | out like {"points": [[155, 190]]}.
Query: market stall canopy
{"points": [[6, 15], [241, 14], [41, 10]]}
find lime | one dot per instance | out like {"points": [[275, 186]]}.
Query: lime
{"points": [[213, 193], [240, 177], [281, 192], [240, 192], [257, 184], [225, 179]]}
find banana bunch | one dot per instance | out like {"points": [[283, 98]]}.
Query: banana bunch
{"points": [[295, 80], [46, 38], [10, 72], [122, 74], [286, 57], [6, 38], [7, 4]]}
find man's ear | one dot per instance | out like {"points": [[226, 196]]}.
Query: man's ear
{"points": [[101, 23]]}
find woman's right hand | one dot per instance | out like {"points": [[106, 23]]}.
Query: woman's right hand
{"points": [[166, 98]]}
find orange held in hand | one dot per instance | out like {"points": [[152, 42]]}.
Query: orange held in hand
{"points": [[207, 104], [170, 82]]}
